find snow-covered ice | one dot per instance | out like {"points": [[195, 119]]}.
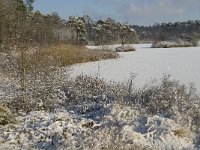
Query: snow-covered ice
{"points": [[111, 125], [147, 63]]}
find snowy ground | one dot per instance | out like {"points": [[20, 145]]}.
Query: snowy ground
{"points": [[119, 128], [147, 63], [96, 125]]}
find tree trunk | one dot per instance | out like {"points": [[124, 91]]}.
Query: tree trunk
{"points": [[122, 36], [0, 37], [23, 75], [1, 32], [77, 36]]}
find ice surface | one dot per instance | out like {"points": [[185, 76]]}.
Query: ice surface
{"points": [[114, 125], [147, 63]]}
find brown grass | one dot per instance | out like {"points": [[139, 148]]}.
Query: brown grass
{"points": [[181, 132], [68, 54]]}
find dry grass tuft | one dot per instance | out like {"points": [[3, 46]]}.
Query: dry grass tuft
{"points": [[68, 54], [181, 132]]}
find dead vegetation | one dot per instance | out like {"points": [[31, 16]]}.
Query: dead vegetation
{"points": [[6, 116], [182, 132], [126, 48], [99, 101], [68, 54], [37, 71]]}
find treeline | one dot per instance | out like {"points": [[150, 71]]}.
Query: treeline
{"points": [[188, 31], [103, 31], [18, 23]]}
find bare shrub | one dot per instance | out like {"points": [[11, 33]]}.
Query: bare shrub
{"points": [[6, 116], [108, 116], [171, 99], [7, 64], [167, 97], [126, 48], [95, 89], [168, 44], [33, 74]]}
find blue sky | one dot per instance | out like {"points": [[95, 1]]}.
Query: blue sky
{"points": [[141, 12]]}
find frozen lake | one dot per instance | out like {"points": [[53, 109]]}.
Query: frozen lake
{"points": [[147, 63]]}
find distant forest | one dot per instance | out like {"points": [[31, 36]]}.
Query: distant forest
{"points": [[169, 31], [19, 23]]}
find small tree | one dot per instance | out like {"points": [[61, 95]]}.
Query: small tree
{"points": [[79, 27], [103, 29], [29, 4], [123, 31]]}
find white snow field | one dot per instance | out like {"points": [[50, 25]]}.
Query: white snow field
{"points": [[147, 63], [110, 126], [122, 128]]}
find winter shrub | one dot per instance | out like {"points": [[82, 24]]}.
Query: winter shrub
{"points": [[7, 64], [167, 44], [166, 97], [95, 89], [171, 99], [6, 116], [111, 116], [126, 48], [36, 74]]}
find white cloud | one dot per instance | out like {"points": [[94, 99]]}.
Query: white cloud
{"points": [[151, 11], [134, 11]]}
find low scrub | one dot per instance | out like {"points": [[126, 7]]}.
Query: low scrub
{"points": [[42, 74], [167, 97], [6, 116], [118, 116], [126, 48], [167, 44]]}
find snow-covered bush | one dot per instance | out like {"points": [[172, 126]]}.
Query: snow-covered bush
{"points": [[126, 48], [168, 44], [88, 113], [8, 64], [6, 116], [171, 99], [167, 97], [122, 127], [95, 89]]}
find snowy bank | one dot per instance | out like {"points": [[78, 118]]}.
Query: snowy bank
{"points": [[168, 44], [121, 128], [92, 114], [116, 47]]}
